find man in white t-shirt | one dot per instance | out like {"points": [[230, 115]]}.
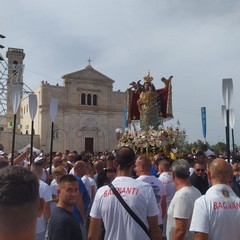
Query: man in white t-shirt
{"points": [[143, 170], [46, 194], [181, 206], [216, 215], [137, 194], [164, 168]]}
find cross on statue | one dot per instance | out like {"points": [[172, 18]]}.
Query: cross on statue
{"points": [[89, 62]]}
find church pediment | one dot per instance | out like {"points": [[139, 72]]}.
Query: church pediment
{"points": [[87, 73]]}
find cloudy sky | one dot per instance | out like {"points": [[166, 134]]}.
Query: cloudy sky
{"points": [[198, 42]]}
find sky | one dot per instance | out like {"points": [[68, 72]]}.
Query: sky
{"points": [[198, 42]]}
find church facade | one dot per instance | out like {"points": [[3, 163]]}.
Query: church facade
{"points": [[88, 113]]}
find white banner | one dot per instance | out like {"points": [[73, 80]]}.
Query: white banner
{"points": [[227, 91], [32, 105], [16, 93], [53, 108]]}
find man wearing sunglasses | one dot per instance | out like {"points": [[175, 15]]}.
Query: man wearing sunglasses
{"points": [[199, 177]]}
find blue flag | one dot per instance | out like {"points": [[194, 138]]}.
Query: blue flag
{"points": [[204, 121]]}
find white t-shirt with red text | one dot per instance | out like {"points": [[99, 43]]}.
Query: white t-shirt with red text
{"points": [[117, 221], [217, 214], [167, 180]]}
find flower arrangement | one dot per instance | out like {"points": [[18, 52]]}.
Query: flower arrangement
{"points": [[150, 142]]}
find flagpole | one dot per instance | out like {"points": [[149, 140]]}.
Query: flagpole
{"points": [[16, 91], [228, 136], [227, 91], [232, 122], [13, 138], [53, 115]]}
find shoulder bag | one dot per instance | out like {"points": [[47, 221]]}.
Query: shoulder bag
{"points": [[129, 210]]}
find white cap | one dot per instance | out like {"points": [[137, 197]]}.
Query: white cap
{"points": [[37, 159]]}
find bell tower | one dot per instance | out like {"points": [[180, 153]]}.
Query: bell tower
{"points": [[15, 58]]}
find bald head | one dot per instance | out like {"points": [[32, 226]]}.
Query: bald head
{"points": [[142, 166], [220, 171], [80, 168]]}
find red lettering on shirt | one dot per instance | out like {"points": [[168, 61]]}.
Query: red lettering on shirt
{"points": [[107, 193], [128, 190], [123, 190], [225, 205]]}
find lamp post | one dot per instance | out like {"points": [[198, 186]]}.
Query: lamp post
{"points": [[16, 92], [227, 91], [53, 114], [32, 109]]}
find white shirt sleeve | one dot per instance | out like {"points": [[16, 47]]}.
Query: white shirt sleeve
{"points": [[47, 194], [182, 209], [200, 222]]}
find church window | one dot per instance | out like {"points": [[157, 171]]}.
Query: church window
{"points": [[83, 99], [15, 67], [89, 99], [94, 100]]}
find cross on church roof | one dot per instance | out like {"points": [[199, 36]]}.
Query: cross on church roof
{"points": [[89, 62]]}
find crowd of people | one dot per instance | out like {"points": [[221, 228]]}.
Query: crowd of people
{"points": [[195, 197]]}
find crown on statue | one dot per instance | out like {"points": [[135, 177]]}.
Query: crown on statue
{"points": [[148, 78]]}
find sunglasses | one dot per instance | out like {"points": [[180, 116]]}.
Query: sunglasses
{"points": [[202, 170]]}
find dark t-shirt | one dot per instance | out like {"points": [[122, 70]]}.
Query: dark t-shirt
{"points": [[63, 226], [198, 182]]}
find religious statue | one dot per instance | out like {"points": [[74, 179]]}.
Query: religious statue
{"points": [[149, 105]]}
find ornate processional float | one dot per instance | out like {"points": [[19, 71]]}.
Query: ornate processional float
{"points": [[148, 108]]}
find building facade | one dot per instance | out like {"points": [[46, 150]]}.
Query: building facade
{"points": [[88, 113]]}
